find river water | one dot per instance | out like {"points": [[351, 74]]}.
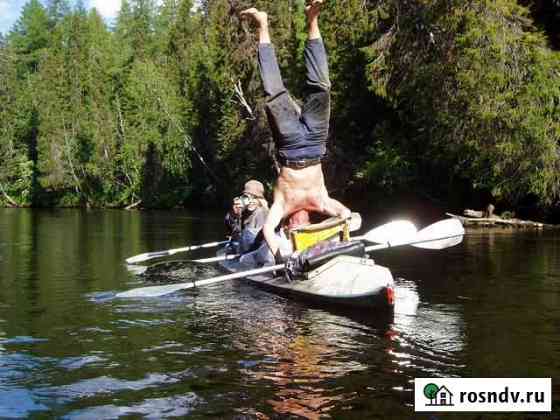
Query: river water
{"points": [[489, 307]]}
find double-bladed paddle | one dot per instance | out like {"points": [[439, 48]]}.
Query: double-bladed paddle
{"points": [[355, 222], [401, 229], [440, 235], [160, 254]]}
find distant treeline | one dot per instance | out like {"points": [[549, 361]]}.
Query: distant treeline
{"points": [[164, 107]]}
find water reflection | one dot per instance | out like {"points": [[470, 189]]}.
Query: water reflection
{"points": [[300, 352], [295, 367], [18, 402], [69, 351], [151, 408], [89, 388], [294, 352], [297, 352]]}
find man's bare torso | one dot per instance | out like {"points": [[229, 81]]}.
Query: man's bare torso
{"points": [[298, 189]]}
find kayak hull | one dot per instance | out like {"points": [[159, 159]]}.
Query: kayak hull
{"points": [[344, 281]]}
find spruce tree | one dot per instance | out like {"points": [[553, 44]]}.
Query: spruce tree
{"points": [[30, 36], [57, 10]]}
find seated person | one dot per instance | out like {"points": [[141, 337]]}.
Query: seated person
{"points": [[233, 220], [253, 217], [255, 207], [246, 218]]}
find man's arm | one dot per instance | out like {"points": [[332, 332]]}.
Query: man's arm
{"points": [[272, 220], [334, 207]]}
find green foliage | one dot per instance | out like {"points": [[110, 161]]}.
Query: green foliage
{"points": [[152, 129], [16, 170], [30, 36], [385, 167], [168, 105], [481, 89]]}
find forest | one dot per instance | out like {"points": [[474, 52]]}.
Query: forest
{"points": [[456, 101]]}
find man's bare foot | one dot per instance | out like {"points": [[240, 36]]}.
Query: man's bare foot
{"points": [[313, 8], [260, 18]]}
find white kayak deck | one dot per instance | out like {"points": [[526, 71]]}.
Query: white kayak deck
{"points": [[345, 279]]}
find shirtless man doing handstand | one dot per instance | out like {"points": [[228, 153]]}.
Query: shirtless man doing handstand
{"points": [[300, 134]]}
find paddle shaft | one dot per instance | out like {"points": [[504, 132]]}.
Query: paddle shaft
{"points": [[358, 238], [155, 291], [355, 222], [160, 254], [216, 259], [381, 234], [194, 247]]}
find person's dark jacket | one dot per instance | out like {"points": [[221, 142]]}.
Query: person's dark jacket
{"points": [[233, 226]]}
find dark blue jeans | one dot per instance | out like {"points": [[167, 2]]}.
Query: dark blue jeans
{"points": [[299, 135]]}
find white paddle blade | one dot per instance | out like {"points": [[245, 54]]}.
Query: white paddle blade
{"points": [[355, 222], [155, 291], [146, 257], [160, 254], [440, 235], [395, 233]]}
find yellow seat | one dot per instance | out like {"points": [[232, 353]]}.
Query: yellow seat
{"points": [[307, 236]]}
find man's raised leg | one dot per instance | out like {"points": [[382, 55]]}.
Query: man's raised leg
{"points": [[316, 110], [316, 62], [268, 64], [282, 112]]}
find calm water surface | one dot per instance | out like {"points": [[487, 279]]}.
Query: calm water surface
{"points": [[487, 308]]}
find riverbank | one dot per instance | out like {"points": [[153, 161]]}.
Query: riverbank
{"points": [[409, 205]]}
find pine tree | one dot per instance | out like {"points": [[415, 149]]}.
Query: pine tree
{"points": [[99, 121], [164, 22], [78, 125], [57, 10], [30, 36], [60, 104], [136, 25]]}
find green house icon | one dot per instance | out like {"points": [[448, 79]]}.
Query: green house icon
{"points": [[439, 396]]}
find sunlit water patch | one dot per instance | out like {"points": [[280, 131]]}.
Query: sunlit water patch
{"points": [[152, 408]]}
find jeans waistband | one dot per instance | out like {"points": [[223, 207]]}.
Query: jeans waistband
{"points": [[299, 163]]}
